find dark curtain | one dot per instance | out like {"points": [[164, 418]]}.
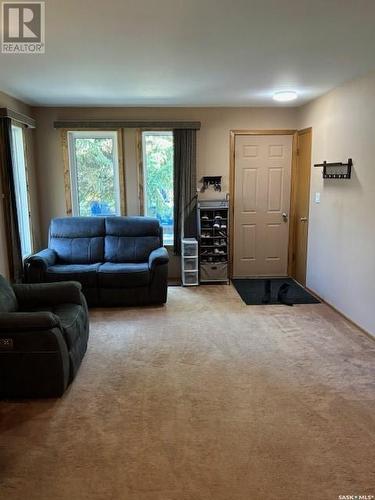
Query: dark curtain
{"points": [[9, 201], [185, 186]]}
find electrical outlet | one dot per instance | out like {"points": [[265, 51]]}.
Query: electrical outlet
{"points": [[317, 197]]}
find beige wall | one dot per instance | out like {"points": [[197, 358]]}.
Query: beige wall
{"points": [[212, 154], [212, 147], [341, 252], [9, 102]]}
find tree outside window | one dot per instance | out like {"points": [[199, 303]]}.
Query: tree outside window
{"points": [[158, 179]]}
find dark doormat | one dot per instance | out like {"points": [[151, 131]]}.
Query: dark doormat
{"points": [[273, 291]]}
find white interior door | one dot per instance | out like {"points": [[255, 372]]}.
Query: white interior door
{"points": [[261, 205]]}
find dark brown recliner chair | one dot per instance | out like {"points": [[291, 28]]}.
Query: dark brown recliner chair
{"points": [[44, 331]]}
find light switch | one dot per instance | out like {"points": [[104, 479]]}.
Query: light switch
{"points": [[317, 197]]}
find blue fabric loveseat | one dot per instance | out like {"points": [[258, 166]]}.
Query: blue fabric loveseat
{"points": [[117, 260]]}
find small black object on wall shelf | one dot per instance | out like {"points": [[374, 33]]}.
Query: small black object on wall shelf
{"points": [[211, 180], [337, 170]]}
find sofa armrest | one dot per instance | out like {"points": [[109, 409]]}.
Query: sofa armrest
{"points": [[23, 321], [42, 259], [158, 257], [49, 294]]}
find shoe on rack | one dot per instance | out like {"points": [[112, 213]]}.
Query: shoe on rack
{"points": [[216, 225], [218, 217], [223, 226], [204, 217]]}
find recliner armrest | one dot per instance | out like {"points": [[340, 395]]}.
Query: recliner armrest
{"points": [[23, 321], [158, 257], [49, 294], [42, 259]]}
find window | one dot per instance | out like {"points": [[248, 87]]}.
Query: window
{"points": [[21, 190], [94, 173], [157, 150]]}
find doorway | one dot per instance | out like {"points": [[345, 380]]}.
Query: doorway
{"points": [[261, 201]]}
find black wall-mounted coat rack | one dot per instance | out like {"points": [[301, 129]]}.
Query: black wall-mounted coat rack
{"points": [[336, 170]]}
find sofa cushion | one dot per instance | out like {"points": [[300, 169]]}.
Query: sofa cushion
{"points": [[129, 275], [126, 249], [78, 240], [131, 239], [86, 274], [8, 299], [77, 227], [133, 226]]}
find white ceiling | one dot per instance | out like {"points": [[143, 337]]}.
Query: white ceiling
{"points": [[192, 52]]}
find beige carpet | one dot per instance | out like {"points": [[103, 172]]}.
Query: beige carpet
{"points": [[205, 399]]}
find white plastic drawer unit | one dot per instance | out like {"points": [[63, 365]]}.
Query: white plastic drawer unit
{"points": [[190, 266], [189, 247], [190, 263], [190, 278]]}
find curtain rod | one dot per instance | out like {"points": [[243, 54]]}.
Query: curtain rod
{"points": [[111, 124], [17, 117]]}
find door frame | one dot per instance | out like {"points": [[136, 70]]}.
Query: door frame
{"points": [[307, 130], [232, 173]]}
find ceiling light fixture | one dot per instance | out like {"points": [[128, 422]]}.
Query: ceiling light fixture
{"points": [[285, 96]]}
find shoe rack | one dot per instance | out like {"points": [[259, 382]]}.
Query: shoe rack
{"points": [[213, 230]]}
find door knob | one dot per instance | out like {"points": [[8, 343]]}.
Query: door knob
{"points": [[285, 216], [303, 219]]}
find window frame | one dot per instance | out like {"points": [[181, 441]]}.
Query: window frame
{"points": [[141, 169], [70, 177], [25, 180]]}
